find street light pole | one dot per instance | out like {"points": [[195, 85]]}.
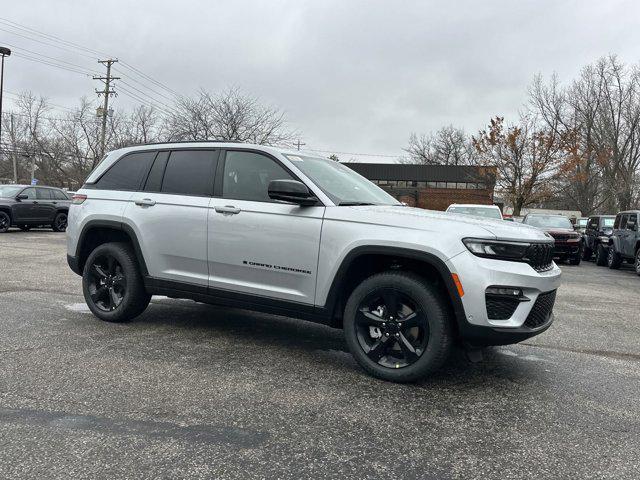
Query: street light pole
{"points": [[4, 52]]}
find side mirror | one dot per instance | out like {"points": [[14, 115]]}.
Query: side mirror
{"points": [[291, 191], [22, 196]]}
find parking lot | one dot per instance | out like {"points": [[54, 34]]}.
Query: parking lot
{"points": [[191, 390]]}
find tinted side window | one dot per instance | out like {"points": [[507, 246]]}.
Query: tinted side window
{"points": [[190, 172], [59, 195], [616, 224], [633, 218], [623, 221], [44, 194], [593, 223], [247, 176], [154, 180], [127, 173], [30, 192]]}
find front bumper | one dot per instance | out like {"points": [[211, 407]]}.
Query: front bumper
{"points": [[476, 274], [562, 249]]}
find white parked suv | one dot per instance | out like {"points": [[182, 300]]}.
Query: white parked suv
{"points": [[292, 234]]}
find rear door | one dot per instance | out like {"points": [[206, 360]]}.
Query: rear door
{"points": [[256, 245], [25, 210], [46, 208], [169, 215]]}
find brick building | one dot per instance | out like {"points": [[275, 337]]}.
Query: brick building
{"points": [[431, 186]]}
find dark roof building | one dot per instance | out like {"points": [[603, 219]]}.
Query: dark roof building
{"points": [[431, 186]]}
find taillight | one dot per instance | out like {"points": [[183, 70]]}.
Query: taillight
{"points": [[78, 199]]}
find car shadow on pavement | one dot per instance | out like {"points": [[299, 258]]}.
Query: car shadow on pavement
{"points": [[202, 322]]}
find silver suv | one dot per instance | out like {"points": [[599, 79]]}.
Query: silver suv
{"points": [[289, 233]]}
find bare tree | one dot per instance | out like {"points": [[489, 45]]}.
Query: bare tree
{"points": [[447, 146], [230, 115]]}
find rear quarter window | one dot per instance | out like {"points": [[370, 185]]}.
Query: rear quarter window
{"points": [[127, 173]]}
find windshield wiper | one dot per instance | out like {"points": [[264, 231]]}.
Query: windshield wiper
{"points": [[354, 204]]}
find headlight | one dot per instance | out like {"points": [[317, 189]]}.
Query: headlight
{"points": [[498, 249]]}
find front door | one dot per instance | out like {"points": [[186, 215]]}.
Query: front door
{"points": [[25, 210], [256, 245], [629, 238]]}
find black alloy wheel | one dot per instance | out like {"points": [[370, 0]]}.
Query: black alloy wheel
{"points": [[398, 326], [614, 260], [5, 222], [107, 283], [60, 222], [392, 329]]}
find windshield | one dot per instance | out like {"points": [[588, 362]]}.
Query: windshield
{"points": [[608, 222], [341, 184], [484, 212], [9, 190], [548, 221]]}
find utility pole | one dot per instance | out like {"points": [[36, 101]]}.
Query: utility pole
{"points": [[14, 155], [107, 92], [299, 144], [4, 52]]}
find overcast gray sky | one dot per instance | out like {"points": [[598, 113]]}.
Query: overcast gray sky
{"points": [[352, 76]]}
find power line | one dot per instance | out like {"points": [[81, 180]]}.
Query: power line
{"points": [[33, 31], [51, 64], [54, 59], [352, 153], [144, 75]]}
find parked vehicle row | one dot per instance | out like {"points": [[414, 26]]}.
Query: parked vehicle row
{"points": [[26, 207]]}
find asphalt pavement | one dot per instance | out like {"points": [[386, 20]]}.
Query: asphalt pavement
{"points": [[196, 391]]}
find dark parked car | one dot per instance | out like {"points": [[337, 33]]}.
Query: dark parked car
{"points": [[25, 207], [568, 242], [625, 240], [596, 238]]}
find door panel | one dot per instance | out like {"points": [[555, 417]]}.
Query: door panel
{"points": [[47, 205], [172, 232], [267, 249], [25, 210]]}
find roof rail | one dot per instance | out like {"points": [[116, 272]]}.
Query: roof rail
{"points": [[184, 141]]}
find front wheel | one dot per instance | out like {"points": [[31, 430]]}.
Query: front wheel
{"points": [[601, 255], [637, 262], [574, 260], [60, 222], [112, 284], [586, 253], [5, 222], [614, 260], [397, 327]]}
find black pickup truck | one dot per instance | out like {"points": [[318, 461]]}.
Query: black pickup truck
{"points": [[596, 238]]}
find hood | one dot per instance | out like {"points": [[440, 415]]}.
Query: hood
{"points": [[560, 231], [435, 221]]}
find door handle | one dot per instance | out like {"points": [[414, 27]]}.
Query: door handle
{"points": [[145, 202], [227, 210]]}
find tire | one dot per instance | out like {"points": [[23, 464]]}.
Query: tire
{"points": [[24, 228], [60, 222], [5, 222], [614, 260], [636, 264], [601, 255], [112, 284], [586, 253], [575, 260], [420, 331]]}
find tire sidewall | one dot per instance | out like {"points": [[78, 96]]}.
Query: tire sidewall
{"points": [[437, 319], [8, 219], [54, 226], [130, 273]]}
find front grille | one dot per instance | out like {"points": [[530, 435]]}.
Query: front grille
{"points": [[540, 256], [561, 237], [541, 311], [500, 308]]}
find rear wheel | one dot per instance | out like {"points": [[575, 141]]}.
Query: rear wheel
{"points": [[60, 222], [5, 222], [112, 283], [397, 327], [601, 255], [614, 260]]}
